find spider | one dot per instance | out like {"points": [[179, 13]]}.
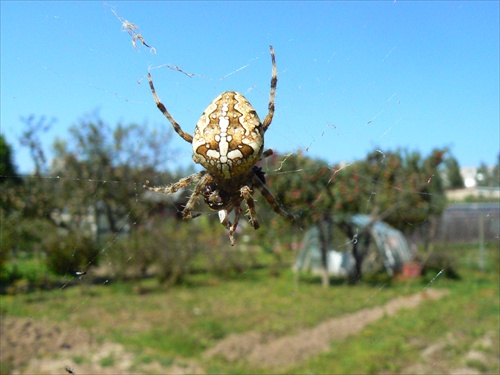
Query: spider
{"points": [[228, 141]]}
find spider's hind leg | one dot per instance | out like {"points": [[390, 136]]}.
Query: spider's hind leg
{"points": [[246, 193], [231, 227], [259, 184]]}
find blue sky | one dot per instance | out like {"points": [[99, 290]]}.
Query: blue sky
{"points": [[353, 76]]}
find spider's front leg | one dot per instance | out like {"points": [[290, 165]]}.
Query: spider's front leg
{"points": [[198, 190], [172, 188], [187, 137], [274, 81], [200, 177]]}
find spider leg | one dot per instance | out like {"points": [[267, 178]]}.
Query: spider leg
{"points": [[186, 213], [187, 137], [274, 81], [183, 182], [266, 154], [200, 177], [246, 193], [270, 198], [223, 216]]}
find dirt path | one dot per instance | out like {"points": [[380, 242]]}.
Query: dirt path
{"points": [[285, 351], [29, 346], [34, 347]]}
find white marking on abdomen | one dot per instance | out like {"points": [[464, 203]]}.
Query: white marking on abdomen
{"points": [[223, 143], [213, 154], [235, 154]]}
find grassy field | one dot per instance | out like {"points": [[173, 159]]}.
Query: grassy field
{"points": [[168, 330]]}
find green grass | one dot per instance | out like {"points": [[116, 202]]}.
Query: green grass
{"points": [[31, 270], [184, 321], [108, 361]]}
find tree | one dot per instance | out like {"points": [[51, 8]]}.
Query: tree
{"points": [[36, 194], [405, 188], [496, 172], [303, 185], [97, 172], [8, 171], [485, 176], [22, 199], [9, 178], [399, 187], [452, 172], [323, 195], [101, 171], [30, 138]]}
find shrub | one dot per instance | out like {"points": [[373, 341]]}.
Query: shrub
{"points": [[69, 252]]}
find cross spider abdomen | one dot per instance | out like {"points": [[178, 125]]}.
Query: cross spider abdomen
{"points": [[228, 141], [229, 137]]}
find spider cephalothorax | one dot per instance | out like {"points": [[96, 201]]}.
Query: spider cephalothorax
{"points": [[228, 141]]}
